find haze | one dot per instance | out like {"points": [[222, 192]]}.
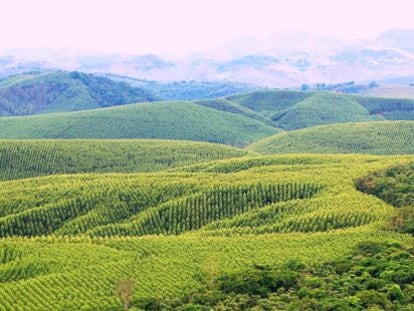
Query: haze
{"points": [[184, 26]]}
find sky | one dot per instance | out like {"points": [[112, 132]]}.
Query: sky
{"points": [[179, 27]]}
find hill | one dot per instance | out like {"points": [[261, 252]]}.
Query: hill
{"points": [[269, 102], [62, 92], [186, 90], [171, 120], [30, 158], [323, 108], [292, 110], [385, 137], [43, 92], [69, 241]]}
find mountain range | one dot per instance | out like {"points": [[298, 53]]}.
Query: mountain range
{"points": [[285, 59]]}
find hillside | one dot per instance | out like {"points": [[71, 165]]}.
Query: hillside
{"points": [[30, 158], [385, 137], [186, 90], [292, 110], [39, 93], [175, 233], [268, 103], [60, 91], [321, 109], [172, 120]]}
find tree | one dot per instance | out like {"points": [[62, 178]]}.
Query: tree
{"points": [[125, 289]]}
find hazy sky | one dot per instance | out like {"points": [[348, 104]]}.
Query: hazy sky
{"points": [[181, 26]]}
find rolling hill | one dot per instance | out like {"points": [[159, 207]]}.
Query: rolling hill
{"points": [[292, 110], [30, 158], [43, 92], [383, 137], [168, 120], [268, 103], [61, 91], [321, 109], [68, 241], [263, 111]]}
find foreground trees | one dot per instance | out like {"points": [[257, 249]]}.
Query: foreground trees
{"points": [[376, 276]]}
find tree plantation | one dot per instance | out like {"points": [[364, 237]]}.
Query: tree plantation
{"points": [[282, 232], [270, 200]]}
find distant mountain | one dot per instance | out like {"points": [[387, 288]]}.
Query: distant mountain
{"points": [[61, 91], [186, 90], [284, 59], [398, 38]]}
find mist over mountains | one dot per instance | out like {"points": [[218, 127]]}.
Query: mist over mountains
{"points": [[285, 59]]}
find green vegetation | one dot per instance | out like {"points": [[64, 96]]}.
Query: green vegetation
{"points": [[133, 205], [22, 159], [394, 185], [172, 120], [375, 276], [90, 224], [385, 137], [269, 102], [64, 91], [323, 108], [241, 201], [83, 242], [222, 104], [388, 108], [236, 120], [292, 110]]}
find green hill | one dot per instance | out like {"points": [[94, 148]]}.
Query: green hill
{"points": [[172, 120], [69, 241], [39, 93], [292, 110], [385, 137], [30, 158], [388, 108], [262, 197], [60, 91], [222, 104], [269, 102], [322, 108]]}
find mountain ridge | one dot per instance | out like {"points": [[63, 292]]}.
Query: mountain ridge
{"points": [[286, 59]]}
